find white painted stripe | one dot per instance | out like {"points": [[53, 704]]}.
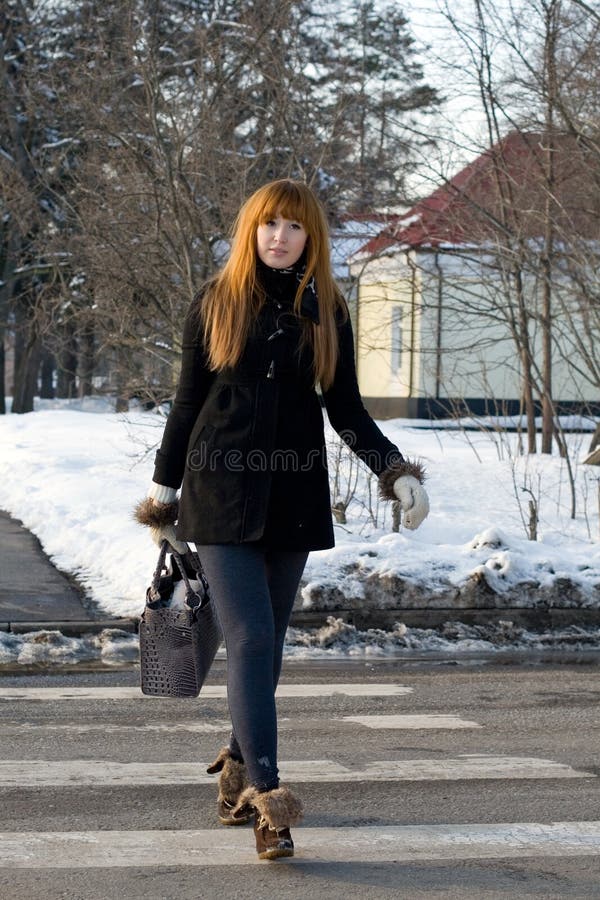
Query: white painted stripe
{"points": [[353, 689], [104, 773], [227, 847], [209, 692], [116, 728], [407, 721], [218, 727], [475, 766]]}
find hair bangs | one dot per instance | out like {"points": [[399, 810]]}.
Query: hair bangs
{"points": [[286, 199]]}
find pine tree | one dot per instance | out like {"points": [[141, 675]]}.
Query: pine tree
{"points": [[373, 91], [32, 174]]}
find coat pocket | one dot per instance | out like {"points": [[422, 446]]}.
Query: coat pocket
{"points": [[198, 456]]}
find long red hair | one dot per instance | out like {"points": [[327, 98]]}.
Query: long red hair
{"points": [[235, 296]]}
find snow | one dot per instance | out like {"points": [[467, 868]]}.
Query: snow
{"points": [[113, 647], [348, 237], [338, 638], [73, 470]]}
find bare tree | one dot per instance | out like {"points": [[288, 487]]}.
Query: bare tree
{"points": [[523, 63], [134, 130]]}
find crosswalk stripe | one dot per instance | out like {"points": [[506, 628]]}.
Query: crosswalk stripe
{"points": [[217, 847], [430, 720], [424, 721], [209, 692], [117, 728], [104, 773]]}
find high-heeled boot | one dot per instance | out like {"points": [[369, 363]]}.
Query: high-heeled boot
{"points": [[274, 812], [232, 782]]}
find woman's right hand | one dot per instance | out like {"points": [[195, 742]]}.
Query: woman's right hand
{"points": [[167, 533], [160, 518]]}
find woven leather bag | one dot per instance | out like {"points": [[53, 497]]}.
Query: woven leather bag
{"points": [[177, 645]]}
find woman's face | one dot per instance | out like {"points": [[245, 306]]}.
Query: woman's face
{"points": [[280, 242]]}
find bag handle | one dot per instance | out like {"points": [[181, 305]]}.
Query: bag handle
{"points": [[193, 599], [153, 593], [195, 560]]}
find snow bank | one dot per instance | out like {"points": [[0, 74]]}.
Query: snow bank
{"points": [[335, 639], [73, 473], [110, 647]]}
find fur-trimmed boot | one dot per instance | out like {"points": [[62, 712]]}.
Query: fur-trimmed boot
{"points": [[232, 782], [274, 812]]}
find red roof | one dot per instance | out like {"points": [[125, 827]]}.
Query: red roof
{"points": [[503, 191]]}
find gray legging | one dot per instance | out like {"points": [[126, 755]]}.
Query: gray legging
{"points": [[253, 590]]}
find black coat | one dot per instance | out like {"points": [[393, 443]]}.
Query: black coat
{"points": [[248, 442]]}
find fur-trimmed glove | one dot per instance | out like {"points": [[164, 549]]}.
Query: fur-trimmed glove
{"points": [[167, 533], [403, 481], [413, 500], [160, 518]]}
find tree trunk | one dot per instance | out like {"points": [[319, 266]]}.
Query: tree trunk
{"points": [[549, 212], [26, 375], [47, 376], [67, 367], [2, 372], [86, 360], [27, 358], [7, 284], [122, 398], [529, 403], [526, 365]]}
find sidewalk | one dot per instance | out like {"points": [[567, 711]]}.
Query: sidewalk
{"points": [[34, 595]]}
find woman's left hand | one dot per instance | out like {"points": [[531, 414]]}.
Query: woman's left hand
{"points": [[413, 500]]}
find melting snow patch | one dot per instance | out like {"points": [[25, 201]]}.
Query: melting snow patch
{"points": [[111, 646], [335, 639], [338, 638]]}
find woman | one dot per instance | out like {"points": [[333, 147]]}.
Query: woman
{"points": [[245, 441]]}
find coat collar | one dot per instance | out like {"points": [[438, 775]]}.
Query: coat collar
{"points": [[310, 302], [283, 283]]}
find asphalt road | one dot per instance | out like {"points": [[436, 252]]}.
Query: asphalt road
{"points": [[427, 781]]}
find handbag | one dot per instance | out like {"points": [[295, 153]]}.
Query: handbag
{"points": [[177, 644]]}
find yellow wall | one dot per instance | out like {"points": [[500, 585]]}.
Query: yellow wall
{"points": [[384, 285], [478, 355]]}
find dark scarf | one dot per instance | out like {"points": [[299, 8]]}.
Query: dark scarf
{"points": [[282, 284]]}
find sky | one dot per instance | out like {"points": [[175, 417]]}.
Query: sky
{"points": [[460, 118]]}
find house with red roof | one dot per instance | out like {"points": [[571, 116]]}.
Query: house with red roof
{"points": [[448, 292]]}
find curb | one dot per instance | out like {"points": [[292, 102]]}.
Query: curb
{"points": [[360, 619], [72, 628], [527, 617]]}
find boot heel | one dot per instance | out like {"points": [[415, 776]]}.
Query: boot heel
{"points": [[274, 812], [271, 843]]}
